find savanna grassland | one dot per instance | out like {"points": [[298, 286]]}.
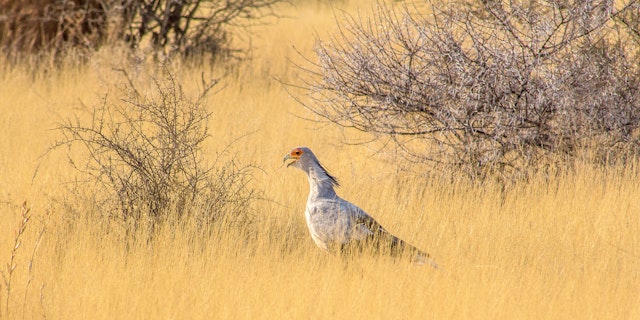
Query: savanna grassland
{"points": [[564, 246]]}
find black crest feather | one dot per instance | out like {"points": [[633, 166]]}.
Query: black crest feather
{"points": [[333, 179]]}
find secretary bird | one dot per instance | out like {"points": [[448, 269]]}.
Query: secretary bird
{"points": [[338, 226]]}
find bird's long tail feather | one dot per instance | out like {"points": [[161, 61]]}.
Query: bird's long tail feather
{"points": [[400, 247]]}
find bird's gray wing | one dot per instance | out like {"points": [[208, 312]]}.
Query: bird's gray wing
{"points": [[365, 227], [362, 225], [367, 230]]}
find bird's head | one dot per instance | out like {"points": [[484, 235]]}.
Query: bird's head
{"points": [[304, 159]]}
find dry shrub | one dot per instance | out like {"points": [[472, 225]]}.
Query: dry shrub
{"points": [[190, 27], [487, 87], [34, 26], [186, 27], [141, 158]]}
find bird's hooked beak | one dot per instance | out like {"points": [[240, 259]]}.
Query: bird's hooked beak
{"points": [[289, 157]]}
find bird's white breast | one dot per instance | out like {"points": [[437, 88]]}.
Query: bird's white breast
{"points": [[329, 225]]}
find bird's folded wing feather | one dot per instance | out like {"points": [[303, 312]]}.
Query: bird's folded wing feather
{"points": [[364, 226]]}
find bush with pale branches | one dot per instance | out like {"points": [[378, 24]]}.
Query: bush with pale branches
{"points": [[496, 86]]}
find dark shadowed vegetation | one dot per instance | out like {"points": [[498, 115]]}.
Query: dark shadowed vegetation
{"points": [[167, 27]]}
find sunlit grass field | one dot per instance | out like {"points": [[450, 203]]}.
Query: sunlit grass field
{"points": [[558, 247]]}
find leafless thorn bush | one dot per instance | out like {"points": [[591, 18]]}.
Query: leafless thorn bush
{"points": [[186, 27], [190, 26], [487, 86], [39, 26], [145, 158]]}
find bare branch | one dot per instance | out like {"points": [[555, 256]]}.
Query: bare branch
{"points": [[484, 87], [145, 155]]}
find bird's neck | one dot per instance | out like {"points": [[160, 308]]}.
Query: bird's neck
{"points": [[319, 188]]}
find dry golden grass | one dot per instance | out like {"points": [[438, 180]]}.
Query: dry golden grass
{"points": [[565, 247]]}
